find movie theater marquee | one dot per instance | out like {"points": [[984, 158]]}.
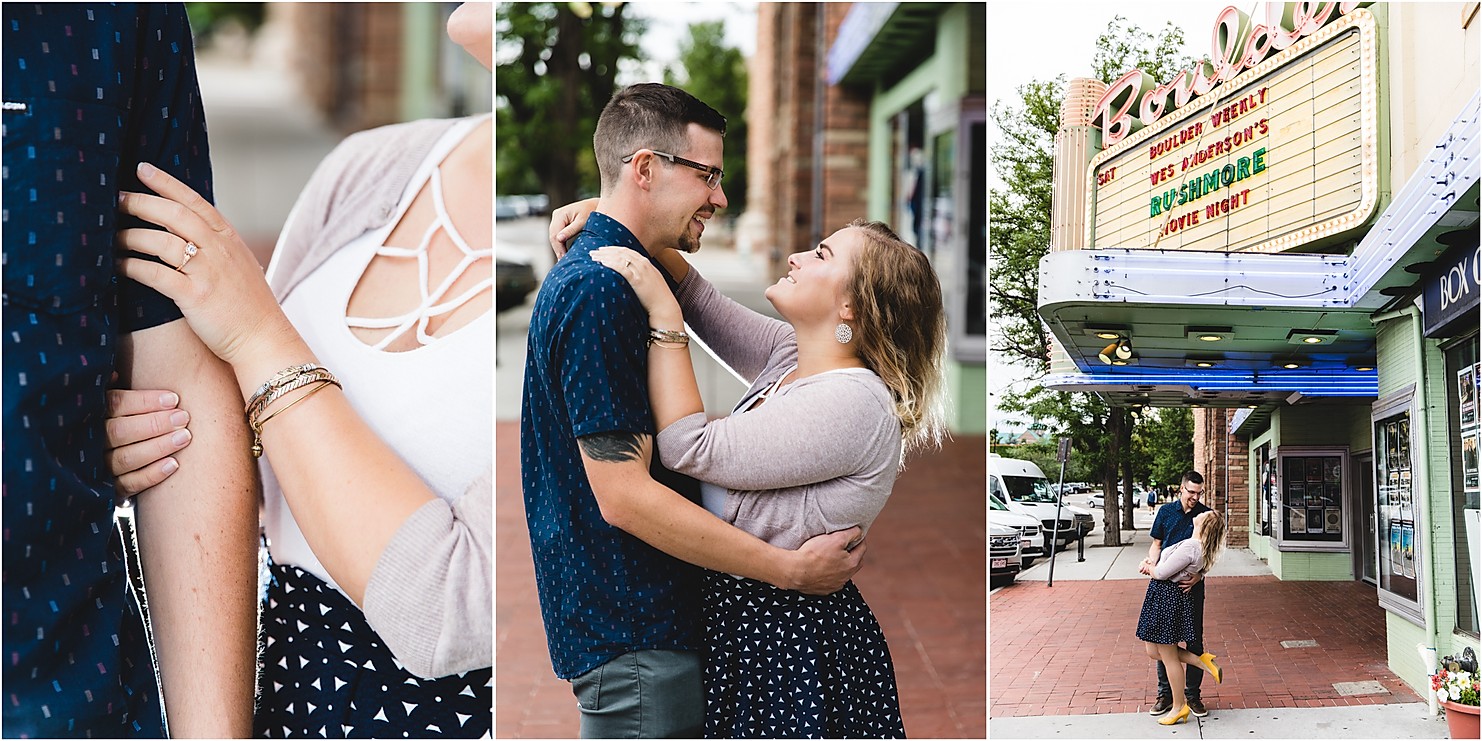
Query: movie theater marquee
{"points": [[1282, 154]]}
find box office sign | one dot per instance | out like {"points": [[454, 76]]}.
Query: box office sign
{"points": [[1263, 151], [1453, 288]]}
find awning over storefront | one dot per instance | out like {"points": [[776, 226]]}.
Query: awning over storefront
{"points": [[877, 37], [1219, 328]]}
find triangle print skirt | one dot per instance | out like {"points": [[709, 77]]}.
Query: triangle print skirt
{"points": [[324, 673], [783, 664]]}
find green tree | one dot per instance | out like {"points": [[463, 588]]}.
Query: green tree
{"points": [[556, 68], [208, 18], [1168, 437], [1019, 235], [716, 74]]}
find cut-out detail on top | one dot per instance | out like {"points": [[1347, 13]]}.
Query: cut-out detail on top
{"points": [[429, 306]]}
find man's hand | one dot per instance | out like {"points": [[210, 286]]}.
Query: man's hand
{"points": [[824, 564], [1146, 567], [1189, 583]]}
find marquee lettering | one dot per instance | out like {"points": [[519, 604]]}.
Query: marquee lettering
{"points": [[1236, 45]]}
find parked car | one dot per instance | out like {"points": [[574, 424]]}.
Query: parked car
{"points": [[1024, 488], [510, 207], [1028, 527], [514, 280], [1004, 553]]}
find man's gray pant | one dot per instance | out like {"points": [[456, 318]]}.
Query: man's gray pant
{"points": [[643, 694]]}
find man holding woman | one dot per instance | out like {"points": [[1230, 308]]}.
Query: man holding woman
{"points": [[1174, 524], [612, 542], [860, 351]]}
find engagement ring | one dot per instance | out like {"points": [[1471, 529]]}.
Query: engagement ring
{"points": [[190, 251]]}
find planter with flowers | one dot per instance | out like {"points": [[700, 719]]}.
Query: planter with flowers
{"points": [[1456, 688]]}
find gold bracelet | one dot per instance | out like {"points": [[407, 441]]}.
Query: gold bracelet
{"points": [[283, 388], [675, 338], [257, 425], [279, 378]]}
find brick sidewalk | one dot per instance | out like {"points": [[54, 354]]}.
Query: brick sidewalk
{"points": [[1072, 650], [924, 577]]}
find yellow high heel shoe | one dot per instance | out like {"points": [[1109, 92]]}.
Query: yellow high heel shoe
{"points": [[1207, 659], [1173, 719]]}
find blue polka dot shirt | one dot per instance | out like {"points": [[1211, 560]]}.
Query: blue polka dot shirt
{"points": [[602, 591], [89, 91], [1172, 525]]}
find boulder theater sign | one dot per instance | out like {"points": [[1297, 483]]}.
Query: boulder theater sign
{"points": [[1284, 155]]}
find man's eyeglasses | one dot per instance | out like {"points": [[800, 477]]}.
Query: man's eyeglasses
{"points": [[713, 175]]}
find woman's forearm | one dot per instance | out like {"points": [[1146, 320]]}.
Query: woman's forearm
{"points": [[672, 390], [348, 491]]}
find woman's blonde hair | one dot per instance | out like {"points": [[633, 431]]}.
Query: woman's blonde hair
{"points": [[900, 329], [1212, 539]]}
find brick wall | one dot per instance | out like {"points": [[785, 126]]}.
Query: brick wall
{"points": [[1224, 459], [793, 103], [348, 59]]}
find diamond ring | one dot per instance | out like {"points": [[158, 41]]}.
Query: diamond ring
{"points": [[190, 251]]}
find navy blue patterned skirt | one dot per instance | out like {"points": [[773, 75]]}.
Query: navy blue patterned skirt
{"points": [[783, 664], [1167, 614], [326, 674]]}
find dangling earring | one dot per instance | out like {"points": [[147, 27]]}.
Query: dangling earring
{"points": [[843, 333]]}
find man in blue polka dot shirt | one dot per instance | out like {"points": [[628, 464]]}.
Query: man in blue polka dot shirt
{"points": [[90, 91], [615, 539]]}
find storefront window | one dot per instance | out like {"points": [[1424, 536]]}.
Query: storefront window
{"points": [[1398, 510], [1313, 490], [1466, 434], [1266, 466]]}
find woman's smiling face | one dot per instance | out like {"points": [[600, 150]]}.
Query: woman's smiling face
{"points": [[815, 286]]}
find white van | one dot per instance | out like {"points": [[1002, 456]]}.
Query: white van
{"points": [[1025, 489]]}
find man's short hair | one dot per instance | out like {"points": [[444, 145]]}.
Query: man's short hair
{"points": [[1192, 477], [648, 115]]}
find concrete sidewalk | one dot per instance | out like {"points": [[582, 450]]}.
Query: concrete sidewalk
{"points": [[1303, 659], [1409, 720]]}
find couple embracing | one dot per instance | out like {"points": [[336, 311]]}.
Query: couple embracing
{"points": [[694, 574]]}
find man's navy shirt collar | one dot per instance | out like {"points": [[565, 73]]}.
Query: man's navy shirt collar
{"points": [[602, 230]]}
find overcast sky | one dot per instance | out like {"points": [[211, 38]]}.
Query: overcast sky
{"points": [[668, 25], [1038, 41]]}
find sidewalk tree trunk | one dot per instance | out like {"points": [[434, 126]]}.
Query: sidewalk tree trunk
{"points": [[1112, 524], [1126, 502]]}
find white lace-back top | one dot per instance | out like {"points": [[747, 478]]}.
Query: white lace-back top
{"points": [[432, 404]]}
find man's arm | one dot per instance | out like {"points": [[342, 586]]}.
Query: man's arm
{"points": [[198, 540], [629, 499]]}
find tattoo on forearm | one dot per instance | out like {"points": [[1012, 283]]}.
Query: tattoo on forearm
{"points": [[613, 447]]}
